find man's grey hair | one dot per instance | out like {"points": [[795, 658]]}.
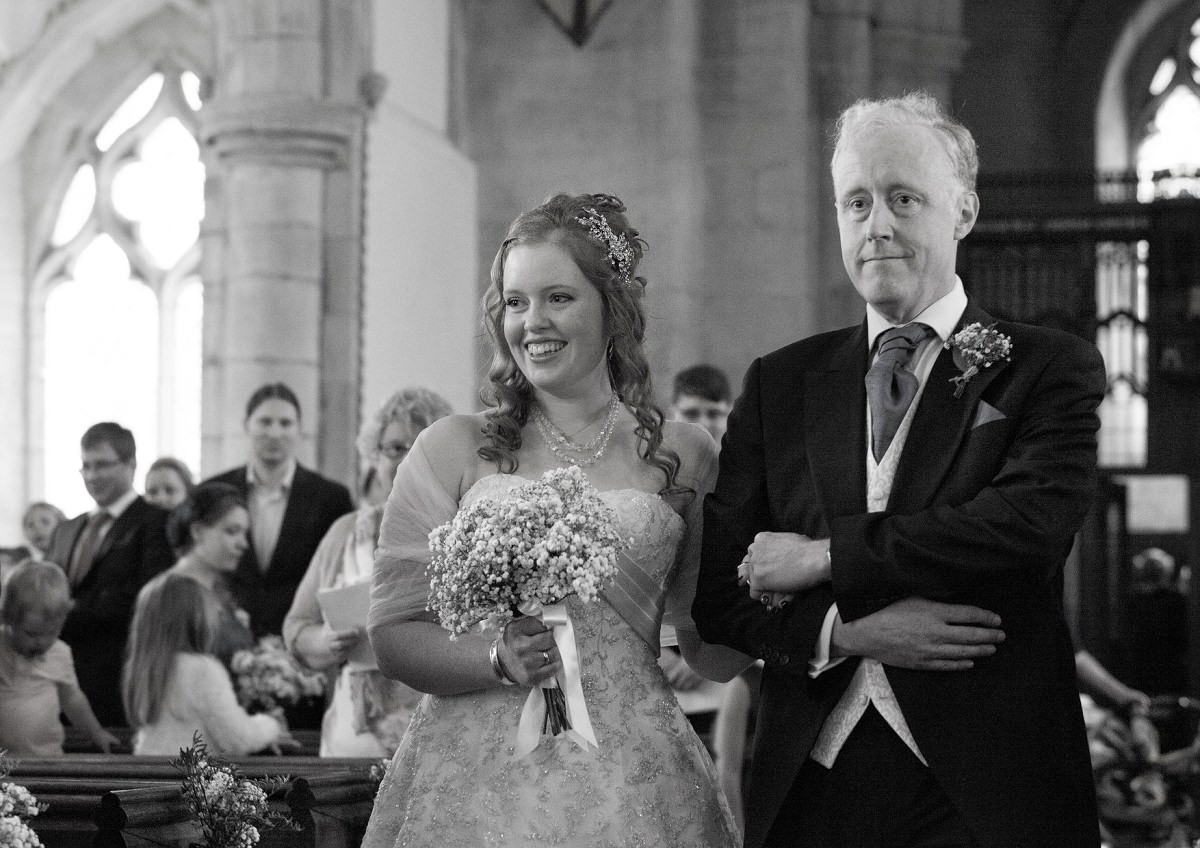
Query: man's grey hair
{"points": [[917, 108]]}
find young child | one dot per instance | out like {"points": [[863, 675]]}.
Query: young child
{"points": [[37, 674], [38, 525], [172, 685]]}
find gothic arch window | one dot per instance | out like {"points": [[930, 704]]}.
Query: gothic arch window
{"points": [[1167, 124], [118, 296], [1162, 108]]}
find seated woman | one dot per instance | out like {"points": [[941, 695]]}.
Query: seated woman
{"points": [[368, 713], [209, 531]]}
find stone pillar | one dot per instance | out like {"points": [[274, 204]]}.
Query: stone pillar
{"points": [[282, 129]]}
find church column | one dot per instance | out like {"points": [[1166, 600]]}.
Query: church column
{"points": [[282, 128]]}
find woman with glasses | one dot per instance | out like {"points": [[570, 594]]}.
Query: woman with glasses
{"points": [[368, 713]]}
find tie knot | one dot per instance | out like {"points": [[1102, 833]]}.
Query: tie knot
{"points": [[903, 340], [100, 518]]}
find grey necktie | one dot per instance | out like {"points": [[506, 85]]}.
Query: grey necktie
{"points": [[891, 386], [89, 544]]}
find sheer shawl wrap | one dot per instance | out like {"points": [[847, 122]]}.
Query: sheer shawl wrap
{"points": [[645, 600]]}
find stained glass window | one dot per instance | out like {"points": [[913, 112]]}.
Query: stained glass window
{"points": [[123, 302]]}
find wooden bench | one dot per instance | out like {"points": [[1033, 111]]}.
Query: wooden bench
{"points": [[110, 800]]}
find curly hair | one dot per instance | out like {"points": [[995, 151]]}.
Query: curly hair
{"points": [[414, 408], [509, 394]]}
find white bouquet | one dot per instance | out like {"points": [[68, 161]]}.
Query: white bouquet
{"points": [[268, 677], [17, 804], [524, 553]]}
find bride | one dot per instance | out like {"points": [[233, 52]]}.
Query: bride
{"points": [[569, 385]]}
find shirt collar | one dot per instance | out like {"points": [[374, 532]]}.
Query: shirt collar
{"points": [[285, 483], [119, 505], [942, 315]]}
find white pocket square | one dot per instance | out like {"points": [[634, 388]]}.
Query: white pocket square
{"points": [[985, 414]]}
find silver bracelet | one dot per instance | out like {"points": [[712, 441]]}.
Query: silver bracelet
{"points": [[497, 667]]}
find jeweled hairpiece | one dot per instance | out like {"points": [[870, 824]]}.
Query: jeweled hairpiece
{"points": [[620, 251]]}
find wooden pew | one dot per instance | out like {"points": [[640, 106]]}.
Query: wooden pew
{"points": [[109, 800]]}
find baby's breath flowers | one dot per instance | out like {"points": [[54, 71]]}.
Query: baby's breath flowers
{"points": [[230, 809], [268, 677], [547, 539], [976, 346], [17, 805]]}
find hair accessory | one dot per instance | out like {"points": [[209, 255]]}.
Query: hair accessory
{"points": [[620, 251]]}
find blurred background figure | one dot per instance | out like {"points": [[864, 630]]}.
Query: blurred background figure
{"points": [[368, 713], [290, 508], [172, 684], [209, 531], [1157, 624], [38, 526], [37, 672], [108, 553], [169, 482], [701, 395]]}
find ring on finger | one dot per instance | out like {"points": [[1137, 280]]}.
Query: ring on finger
{"points": [[766, 599], [545, 658]]}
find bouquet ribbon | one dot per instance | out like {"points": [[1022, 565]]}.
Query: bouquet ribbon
{"points": [[533, 714]]}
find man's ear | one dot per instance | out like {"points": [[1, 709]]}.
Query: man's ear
{"points": [[968, 211]]}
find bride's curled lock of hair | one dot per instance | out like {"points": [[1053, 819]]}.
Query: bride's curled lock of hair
{"points": [[594, 231]]}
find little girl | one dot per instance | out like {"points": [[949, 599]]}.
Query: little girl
{"points": [[173, 685], [37, 673]]}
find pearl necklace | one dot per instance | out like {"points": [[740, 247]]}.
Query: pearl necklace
{"points": [[561, 445]]}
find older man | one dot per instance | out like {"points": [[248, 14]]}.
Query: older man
{"points": [[901, 510]]}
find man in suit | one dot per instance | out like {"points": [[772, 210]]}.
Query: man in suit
{"points": [[290, 508], [108, 553], [900, 523]]}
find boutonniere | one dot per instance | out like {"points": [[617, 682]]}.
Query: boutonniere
{"points": [[976, 346]]}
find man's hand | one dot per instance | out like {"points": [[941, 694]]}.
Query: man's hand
{"points": [[779, 564], [920, 634]]}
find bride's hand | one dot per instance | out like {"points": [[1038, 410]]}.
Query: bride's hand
{"points": [[527, 651]]}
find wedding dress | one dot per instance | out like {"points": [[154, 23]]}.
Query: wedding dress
{"points": [[455, 780]]}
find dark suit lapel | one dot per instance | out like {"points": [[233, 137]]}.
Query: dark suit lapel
{"points": [[940, 423], [835, 427]]}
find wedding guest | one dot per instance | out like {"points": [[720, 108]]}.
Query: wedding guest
{"points": [[38, 524], [168, 482], [906, 518], [108, 553], [291, 508], [367, 712], [701, 395], [173, 685], [209, 530], [37, 672], [569, 385]]}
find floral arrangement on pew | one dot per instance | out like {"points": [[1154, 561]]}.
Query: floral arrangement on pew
{"points": [[268, 677], [230, 809], [522, 554], [17, 805]]}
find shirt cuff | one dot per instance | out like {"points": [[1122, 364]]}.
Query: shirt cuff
{"points": [[820, 661]]}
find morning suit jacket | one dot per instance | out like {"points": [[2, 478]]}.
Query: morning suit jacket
{"points": [[313, 504], [989, 492], [134, 549]]}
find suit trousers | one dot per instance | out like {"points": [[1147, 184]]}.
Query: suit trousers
{"points": [[876, 794]]}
